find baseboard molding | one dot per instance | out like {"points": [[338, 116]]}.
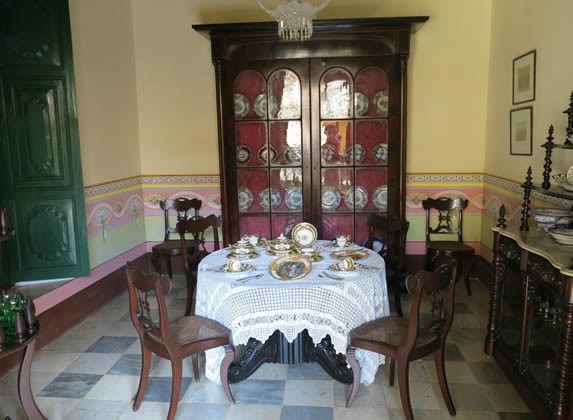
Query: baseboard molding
{"points": [[55, 321]]}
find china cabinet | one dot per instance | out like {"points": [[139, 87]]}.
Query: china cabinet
{"points": [[311, 131]]}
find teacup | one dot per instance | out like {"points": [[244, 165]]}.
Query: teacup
{"points": [[342, 241], [310, 252], [347, 264], [233, 265]]}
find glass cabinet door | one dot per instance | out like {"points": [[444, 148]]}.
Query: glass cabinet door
{"points": [[353, 149], [269, 151]]}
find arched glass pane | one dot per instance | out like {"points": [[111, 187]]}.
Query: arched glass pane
{"points": [[249, 91], [284, 95], [336, 89], [371, 97]]}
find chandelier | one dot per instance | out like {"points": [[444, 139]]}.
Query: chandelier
{"points": [[294, 18]]}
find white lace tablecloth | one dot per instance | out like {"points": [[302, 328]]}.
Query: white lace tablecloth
{"points": [[323, 306]]}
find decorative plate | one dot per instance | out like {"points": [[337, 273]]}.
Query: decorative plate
{"points": [[269, 197], [241, 106], [261, 105], [245, 268], [267, 151], [360, 104], [245, 198], [356, 254], [380, 153], [304, 235], [290, 267], [357, 152], [329, 153], [381, 103], [293, 198], [356, 197], [243, 155], [248, 256], [331, 198], [336, 268], [293, 154], [380, 197]]}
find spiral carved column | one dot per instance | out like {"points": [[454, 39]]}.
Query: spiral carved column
{"points": [[564, 378]]}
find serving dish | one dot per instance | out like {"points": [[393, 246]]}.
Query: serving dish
{"points": [[243, 155], [267, 152], [355, 254], [549, 218], [381, 103], [290, 267], [380, 197], [380, 153], [293, 198], [260, 105], [304, 235], [269, 197], [330, 197], [241, 106], [360, 104], [562, 236], [336, 268], [280, 245], [356, 197], [293, 154], [245, 198], [357, 153]]}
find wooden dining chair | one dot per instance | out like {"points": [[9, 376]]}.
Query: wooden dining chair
{"points": [[392, 234], [198, 230], [172, 340], [406, 340], [180, 208], [444, 235]]}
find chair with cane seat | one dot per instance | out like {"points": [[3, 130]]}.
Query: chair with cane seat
{"points": [[173, 340], [405, 340]]}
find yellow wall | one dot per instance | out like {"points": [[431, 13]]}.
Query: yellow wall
{"points": [[176, 89], [105, 87], [519, 26]]}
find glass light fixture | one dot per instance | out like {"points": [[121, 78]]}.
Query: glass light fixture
{"points": [[294, 18]]}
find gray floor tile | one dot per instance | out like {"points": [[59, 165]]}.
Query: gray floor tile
{"points": [[307, 371], [260, 392], [488, 373], [202, 411], [159, 389], [306, 413], [70, 385], [110, 344]]}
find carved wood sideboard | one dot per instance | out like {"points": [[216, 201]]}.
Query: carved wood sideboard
{"points": [[530, 327]]}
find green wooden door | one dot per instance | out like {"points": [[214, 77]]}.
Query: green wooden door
{"points": [[40, 170]]}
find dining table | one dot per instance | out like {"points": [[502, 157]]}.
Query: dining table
{"points": [[325, 304]]}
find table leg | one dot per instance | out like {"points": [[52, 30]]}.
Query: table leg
{"points": [[24, 387]]}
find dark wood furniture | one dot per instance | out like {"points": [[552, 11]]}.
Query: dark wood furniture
{"points": [[24, 388], [176, 340], [530, 327], [192, 255], [444, 235], [172, 247], [406, 340], [311, 131], [392, 234]]}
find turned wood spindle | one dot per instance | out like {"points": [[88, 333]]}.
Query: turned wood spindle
{"points": [[548, 145], [501, 219], [527, 186], [569, 129], [2, 336], [19, 325]]}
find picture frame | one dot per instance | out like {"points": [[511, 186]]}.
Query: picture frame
{"points": [[524, 78], [520, 129]]}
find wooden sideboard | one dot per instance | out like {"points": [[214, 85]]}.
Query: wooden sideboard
{"points": [[530, 327]]}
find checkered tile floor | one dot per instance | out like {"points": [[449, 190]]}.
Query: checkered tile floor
{"points": [[92, 372]]}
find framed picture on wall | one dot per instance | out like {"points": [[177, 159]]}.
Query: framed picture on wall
{"points": [[524, 78], [520, 129]]}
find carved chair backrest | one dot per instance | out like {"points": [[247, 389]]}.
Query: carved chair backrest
{"points": [[181, 208], [392, 232], [147, 306], [432, 310], [444, 216]]}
